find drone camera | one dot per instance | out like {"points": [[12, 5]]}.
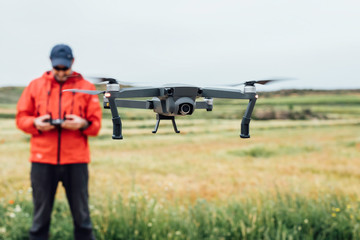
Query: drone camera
{"points": [[184, 106], [185, 109]]}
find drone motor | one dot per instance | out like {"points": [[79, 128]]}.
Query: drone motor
{"points": [[113, 87], [249, 89]]}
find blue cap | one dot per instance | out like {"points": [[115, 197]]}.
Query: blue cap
{"points": [[61, 54]]}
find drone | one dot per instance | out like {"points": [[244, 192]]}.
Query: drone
{"points": [[172, 100]]}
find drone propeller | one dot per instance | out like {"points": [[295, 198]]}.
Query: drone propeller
{"points": [[91, 92], [105, 80], [262, 82], [101, 80]]}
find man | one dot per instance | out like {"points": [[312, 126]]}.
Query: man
{"points": [[60, 123]]}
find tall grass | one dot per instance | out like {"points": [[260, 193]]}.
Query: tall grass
{"points": [[138, 217]]}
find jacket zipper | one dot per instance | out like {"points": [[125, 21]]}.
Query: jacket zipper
{"points": [[59, 128]]}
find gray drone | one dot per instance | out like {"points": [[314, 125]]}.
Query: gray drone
{"points": [[172, 100]]}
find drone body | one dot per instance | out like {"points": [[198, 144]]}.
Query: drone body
{"points": [[172, 100]]}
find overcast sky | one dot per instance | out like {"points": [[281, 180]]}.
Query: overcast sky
{"points": [[189, 41]]}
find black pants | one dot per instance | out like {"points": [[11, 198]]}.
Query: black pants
{"points": [[44, 181]]}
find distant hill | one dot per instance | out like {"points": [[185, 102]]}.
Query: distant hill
{"points": [[10, 95], [299, 92]]}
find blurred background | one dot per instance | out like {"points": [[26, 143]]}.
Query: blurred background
{"points": [[200, 42]]}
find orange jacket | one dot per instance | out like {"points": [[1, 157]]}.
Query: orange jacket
{"points": [[44, 96]]}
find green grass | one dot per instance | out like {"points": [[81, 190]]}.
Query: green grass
{"points": [[136, 217], [262, 151], [10, 95]]}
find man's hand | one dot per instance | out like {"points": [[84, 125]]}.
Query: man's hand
{"points": [[41, 125], [74, 122]]}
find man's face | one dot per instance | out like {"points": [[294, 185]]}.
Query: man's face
{"points": [[61, 73]]}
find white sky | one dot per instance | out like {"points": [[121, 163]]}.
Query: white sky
{"points": [[189, 41]]}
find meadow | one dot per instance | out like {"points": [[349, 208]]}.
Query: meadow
{"points": [[295, 178]]}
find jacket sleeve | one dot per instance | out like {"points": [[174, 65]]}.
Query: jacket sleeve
{"points": [[93, 115], [25, 112]]}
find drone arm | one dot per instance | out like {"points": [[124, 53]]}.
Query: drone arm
{"points": [[225, 93], [134, 104], [136, 93], [117, 127], [204, 105], [246, 119]]}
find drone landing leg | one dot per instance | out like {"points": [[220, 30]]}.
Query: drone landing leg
{"points": [[174, 125], [245, 131], [159, 117], [157, 124], [117, 126]]}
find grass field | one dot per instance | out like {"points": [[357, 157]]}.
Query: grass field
{"points": [[293, 179]]}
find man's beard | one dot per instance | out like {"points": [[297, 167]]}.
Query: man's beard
{"points": [[63, 78]]}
